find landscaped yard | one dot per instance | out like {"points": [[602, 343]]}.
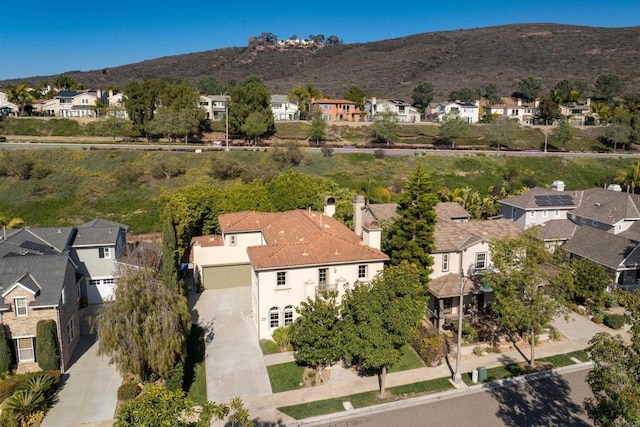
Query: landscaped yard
{"points": [[195, 382], [409, 359]]}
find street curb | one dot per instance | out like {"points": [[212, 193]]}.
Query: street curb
{"points": [[415, 401]]}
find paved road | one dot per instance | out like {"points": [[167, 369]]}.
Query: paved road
{"points": [[552, 401]]}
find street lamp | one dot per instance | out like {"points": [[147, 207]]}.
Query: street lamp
{"points": [[457, 376], [226, 117]]}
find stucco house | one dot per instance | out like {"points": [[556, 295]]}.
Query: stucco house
{"points": [[578, 113], [333, 110], [7, 108], [283, 108], [214, 106], [38, 281], [525, 113], [403, 110], [71, 103], [285, 258]]}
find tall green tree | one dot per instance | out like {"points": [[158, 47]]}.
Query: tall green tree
{"points": [[410, 236], [317, 131], [356, 95], [561, 93], [529, 88], [141, 102], [609, 86], [209, 86], [492, 94], [563, 133], [618, 133], [385, 127], [452, 128], [422, 95], [527, 288], [465, 94], [548, 110], [629, 178], [315, 334], [250, 97], [170, 256], [144, 330], [20, 96], [590, 282], [47, 347], [6, 359], [615, 378], [504, 131], [379, 317]]}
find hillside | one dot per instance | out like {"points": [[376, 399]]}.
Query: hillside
{"points": [[391, 68]]}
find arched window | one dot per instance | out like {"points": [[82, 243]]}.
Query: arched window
{"points": [[288, 315], [274, 317]]}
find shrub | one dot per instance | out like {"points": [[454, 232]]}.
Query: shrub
{"points": [[224, 167], [378, 153], [5, 351], [427, 343], [128, 175], [42, 383], [47, 349], [614, 321], [327, 151], [23, 403], [597, 319], [11, 384], [281, 337], [129, 390], [268, 346], [175, 377], [479, 350]]}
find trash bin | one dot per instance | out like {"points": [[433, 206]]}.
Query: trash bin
{"points": [[474, 376], [482, 374]]}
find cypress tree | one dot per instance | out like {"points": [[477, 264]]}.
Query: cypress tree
{"points": [[47, 349], [5, 351]]}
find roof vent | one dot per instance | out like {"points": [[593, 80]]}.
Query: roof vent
{"points": [[59, 231], [597, 203], [305, 253]]}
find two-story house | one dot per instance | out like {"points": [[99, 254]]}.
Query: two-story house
{"points": [[578, 113], [467, 111], [71, 103], [283, 109], [38, 281], [214, 106], [7, 108], [525, 113], [336, 110], [284, 258], [403, 110]]}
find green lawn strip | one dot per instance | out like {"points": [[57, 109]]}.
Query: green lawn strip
{"points": [[198, 390], [408, 360], [285, 376], [362, 400], [581, 355], [558, 360], [195, 377]]}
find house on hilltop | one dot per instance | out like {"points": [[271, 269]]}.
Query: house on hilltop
{"points": [[336, 110], [403, 110]]}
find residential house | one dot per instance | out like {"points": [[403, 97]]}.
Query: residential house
{"points": [[214, 106], [467, 111], [96, 248], [116, 105], [284, 258], [333, 110], [283, 109], [525, 113], [578, 113], [403, 110], [7, 108], [598, 224], [71, 103], [38, 281]]}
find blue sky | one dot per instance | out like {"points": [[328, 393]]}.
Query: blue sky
{"points": [[40, 38]]}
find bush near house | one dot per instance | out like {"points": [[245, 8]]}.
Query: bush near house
{"points": [[9, 385], [128, 390], [614, 321], [427, 343], [47, 349], [6, 359]]}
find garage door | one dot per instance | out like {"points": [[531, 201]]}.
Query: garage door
{"points": [[226, 276]]}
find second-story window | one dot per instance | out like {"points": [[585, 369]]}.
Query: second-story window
{"points": [[104, 252], [481, 260], [445, 262], [362, 271], [21, 306], [322, 276], [233, 240], [281, 278]]}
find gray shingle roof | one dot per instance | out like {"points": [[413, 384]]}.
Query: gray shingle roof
{"points": [[98, 232], [528, 199], [454, 236], [607, 206], [604, 248], [36, 241], [557, 229]]}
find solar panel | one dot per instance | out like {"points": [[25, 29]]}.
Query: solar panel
{"points": [[554, 200]]}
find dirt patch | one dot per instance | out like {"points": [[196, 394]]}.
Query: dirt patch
{"points": [[310, 380]]}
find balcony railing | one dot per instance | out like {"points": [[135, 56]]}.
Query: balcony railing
{"points": [[322, 289]]}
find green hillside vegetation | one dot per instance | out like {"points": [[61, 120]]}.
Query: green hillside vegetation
{"points": [[61, 187]]}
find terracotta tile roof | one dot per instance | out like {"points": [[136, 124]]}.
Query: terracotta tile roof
{"points": [[333, 101], [455, 236], [296, 238], [210, 240]]}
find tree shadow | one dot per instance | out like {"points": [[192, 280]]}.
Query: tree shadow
{"points": [[195, 354], [257, 422], [542, 401]]}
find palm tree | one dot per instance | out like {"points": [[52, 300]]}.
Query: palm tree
{"points": [[10, 223], [629, 178], [20, 96]]}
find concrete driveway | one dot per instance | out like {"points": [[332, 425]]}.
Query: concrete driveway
{"points": [[88, 395], [577, 327], [234, 362]]}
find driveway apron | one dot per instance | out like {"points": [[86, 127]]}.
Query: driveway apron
{"points": [[89, 392], [577, 327], [234, 362]]}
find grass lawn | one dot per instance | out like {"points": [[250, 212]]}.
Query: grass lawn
{"points": [[581, 355], [285, 376], [362, 400], [409, 359], [195, 376]]}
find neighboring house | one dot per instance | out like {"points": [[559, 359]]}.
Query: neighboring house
{"points": [[467, 111], [116, 105], [404, 111], [96, 248], [335, 110], [283, 109], [578, 113], [285, 258], [525, 113], [7, 108], [599, 224], [214, 106], [461, 256], [71, 103], [38, 280]]}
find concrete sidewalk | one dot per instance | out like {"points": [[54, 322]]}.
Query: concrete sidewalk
{"points": [[343, 382]]}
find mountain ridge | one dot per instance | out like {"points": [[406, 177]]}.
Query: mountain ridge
{"points": [[391, 68]]}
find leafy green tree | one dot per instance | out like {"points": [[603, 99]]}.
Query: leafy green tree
{"points": [[465, 94], [410, 236], [209, 86], [379, 317], [561, 93], [590, 281], [548, 110], [65, 82], [529, 88], [295, 190], [563, 133], [288, 154], [315, 334], [250, 97], [47, 347], [491, 94], [452, 128], [170, 256], [617, 133], [159, 406], [5, 351], [527, 289], [356, 95], [141, 102], [615, 378], [385, 126], [422, 95], [504, 131], [609, 86], [317, 131], [144, 330]]}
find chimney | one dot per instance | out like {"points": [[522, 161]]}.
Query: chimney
{"points": [[372, 234], [329, 206], [519, 102], [557, 185], [358, 205]]}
